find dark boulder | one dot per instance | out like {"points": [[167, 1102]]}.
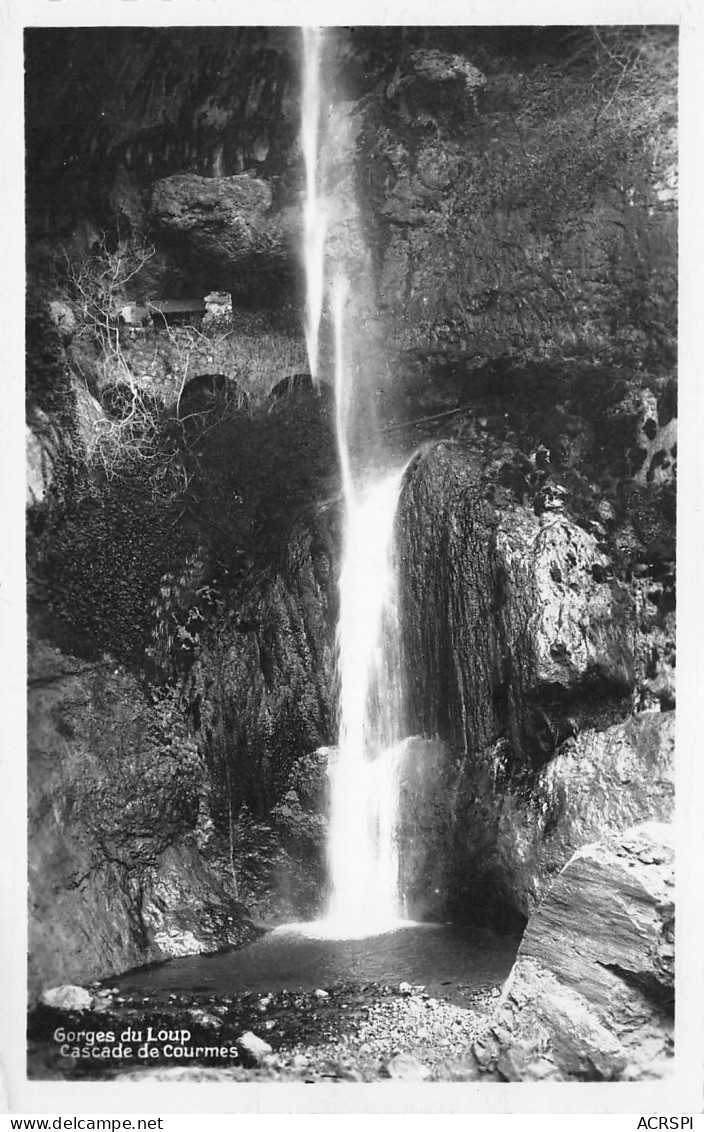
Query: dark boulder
{"points": [[222, 227]]}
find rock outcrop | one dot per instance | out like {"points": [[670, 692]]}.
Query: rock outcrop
{"points": [[221, 225], [511, 623], [598, 784], [476, 842], [518, 258], [116, 879], [591, 993]]}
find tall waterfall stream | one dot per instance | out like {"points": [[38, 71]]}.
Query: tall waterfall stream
{"points": [[364, 935], [362, 847]]}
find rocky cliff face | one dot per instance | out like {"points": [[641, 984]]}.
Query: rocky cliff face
{"points": [[140, 106], [554, 617], [502, 222], [516, 191], [527, 643], [116, 875], [220, 650]]}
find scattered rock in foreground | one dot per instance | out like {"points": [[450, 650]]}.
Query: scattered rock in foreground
{"points": [[590, 998], [67, 997], [253, 1049], [356, 1032], [405, 1067]]}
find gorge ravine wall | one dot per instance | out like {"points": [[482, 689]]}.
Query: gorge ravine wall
{"points": [[192, 597]]}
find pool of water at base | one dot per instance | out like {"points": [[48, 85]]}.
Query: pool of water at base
{"points": [[299, 957]]}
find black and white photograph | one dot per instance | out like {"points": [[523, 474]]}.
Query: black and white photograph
{"points": [[351, 389]]}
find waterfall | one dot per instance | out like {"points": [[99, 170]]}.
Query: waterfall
{"points": [[314, 220], [362, 844], [362, 850], [362, 847]]}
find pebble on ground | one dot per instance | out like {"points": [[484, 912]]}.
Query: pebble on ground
{"points": [[347, 1032]]}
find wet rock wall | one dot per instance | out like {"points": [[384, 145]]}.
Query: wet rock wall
{"points": [[520, 654], [116, 876]]}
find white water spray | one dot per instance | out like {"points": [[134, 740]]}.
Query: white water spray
{"points": [[314, 220], [363, 847]]}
